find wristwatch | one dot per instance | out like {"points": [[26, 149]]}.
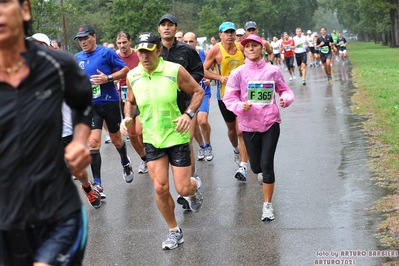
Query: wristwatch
{"points": [[110, 78], [190, 113]]}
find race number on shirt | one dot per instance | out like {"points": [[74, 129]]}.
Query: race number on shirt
{"points": [[96, 89], [261, 92]]}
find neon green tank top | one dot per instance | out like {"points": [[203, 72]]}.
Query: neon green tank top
{"points": [[228, 64], [156, 97]]}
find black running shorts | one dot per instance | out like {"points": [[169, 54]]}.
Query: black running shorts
{"points": [[178, 155]]}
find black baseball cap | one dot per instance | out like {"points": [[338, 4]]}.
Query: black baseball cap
{"points": [[147, 41], [169, 17], [250, 25], [84, 31]]}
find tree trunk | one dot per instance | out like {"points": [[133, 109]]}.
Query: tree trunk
{"points": [[384, 39], [393, 14]]}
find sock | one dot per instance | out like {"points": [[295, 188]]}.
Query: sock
{"points": [[244, 165], [86, 189], [144, 158], [207, 145], [177, 228], [236, 150], [123, 154], [96, 165], [203, 146], [97, 180]]}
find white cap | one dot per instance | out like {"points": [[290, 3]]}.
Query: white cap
{"points": [[41, 37], [309, 32], [240, 31]]}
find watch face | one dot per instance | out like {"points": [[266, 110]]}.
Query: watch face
{"points": [[190, 113]]}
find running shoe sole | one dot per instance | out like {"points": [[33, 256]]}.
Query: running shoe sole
{"points": [[240, 177], [182, 201]]}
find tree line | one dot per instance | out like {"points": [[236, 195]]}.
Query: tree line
{"points": [[203, 17]]}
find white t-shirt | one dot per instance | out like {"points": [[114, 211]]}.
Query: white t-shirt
{"points": [[275, 47], [300, 43], [67, 129]]}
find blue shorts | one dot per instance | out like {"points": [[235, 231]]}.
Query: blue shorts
{"points": [[205, 104], [62, 242]]}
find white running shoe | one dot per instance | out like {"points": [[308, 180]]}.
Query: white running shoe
{"points": [[142, 168], [237, 158], [241, 174], [268, 212], [208, 153], [107, 139], [174, 239], [201, 154], [290, 78], [293, 77], [128, 173]]}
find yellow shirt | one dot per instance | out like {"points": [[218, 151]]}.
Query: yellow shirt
{"points": [[229, 63]]}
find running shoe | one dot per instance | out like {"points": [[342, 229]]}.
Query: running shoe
{"points": [[174, 239], [142, 168], [290, 78], [237, 158], [208, 153], [201, 154], [128, 173], [107, 139], [184, 201], [93, 196], [100, 189], [241, 174], [127, 139], [303, 82], [197, 180], [293, 77], [260, 179], [267, 213]]}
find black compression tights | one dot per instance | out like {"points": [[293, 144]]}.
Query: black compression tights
{"points": [[261, 148]]}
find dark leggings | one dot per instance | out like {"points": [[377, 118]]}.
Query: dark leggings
{"points": [[261, 148]]}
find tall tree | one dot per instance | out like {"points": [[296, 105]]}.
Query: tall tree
{"points": [[135, 16]]}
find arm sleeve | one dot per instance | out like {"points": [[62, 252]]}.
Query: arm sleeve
{"points": [[232, 94], [283, 90], [78, 94]]}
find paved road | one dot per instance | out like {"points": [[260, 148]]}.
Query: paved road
{"points": [[322, 195]]}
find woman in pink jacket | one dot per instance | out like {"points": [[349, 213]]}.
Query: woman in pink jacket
{"points": [[250, 94]]}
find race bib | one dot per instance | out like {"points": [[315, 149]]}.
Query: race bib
{"points": [[261, 92], [324, 49], [123, 92], [288, 48], [300, 45], [341, 43], [96, 89]]}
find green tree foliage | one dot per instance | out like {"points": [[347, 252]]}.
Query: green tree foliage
{"points": [[134, 16], [46, 17]]}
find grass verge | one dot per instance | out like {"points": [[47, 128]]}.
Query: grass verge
{"points": [[376, 78]]}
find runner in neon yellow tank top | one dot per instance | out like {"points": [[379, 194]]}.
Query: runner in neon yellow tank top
{"points": [[153, 86]]}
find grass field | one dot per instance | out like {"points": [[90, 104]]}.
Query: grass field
{"points": [[376, 77]]}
